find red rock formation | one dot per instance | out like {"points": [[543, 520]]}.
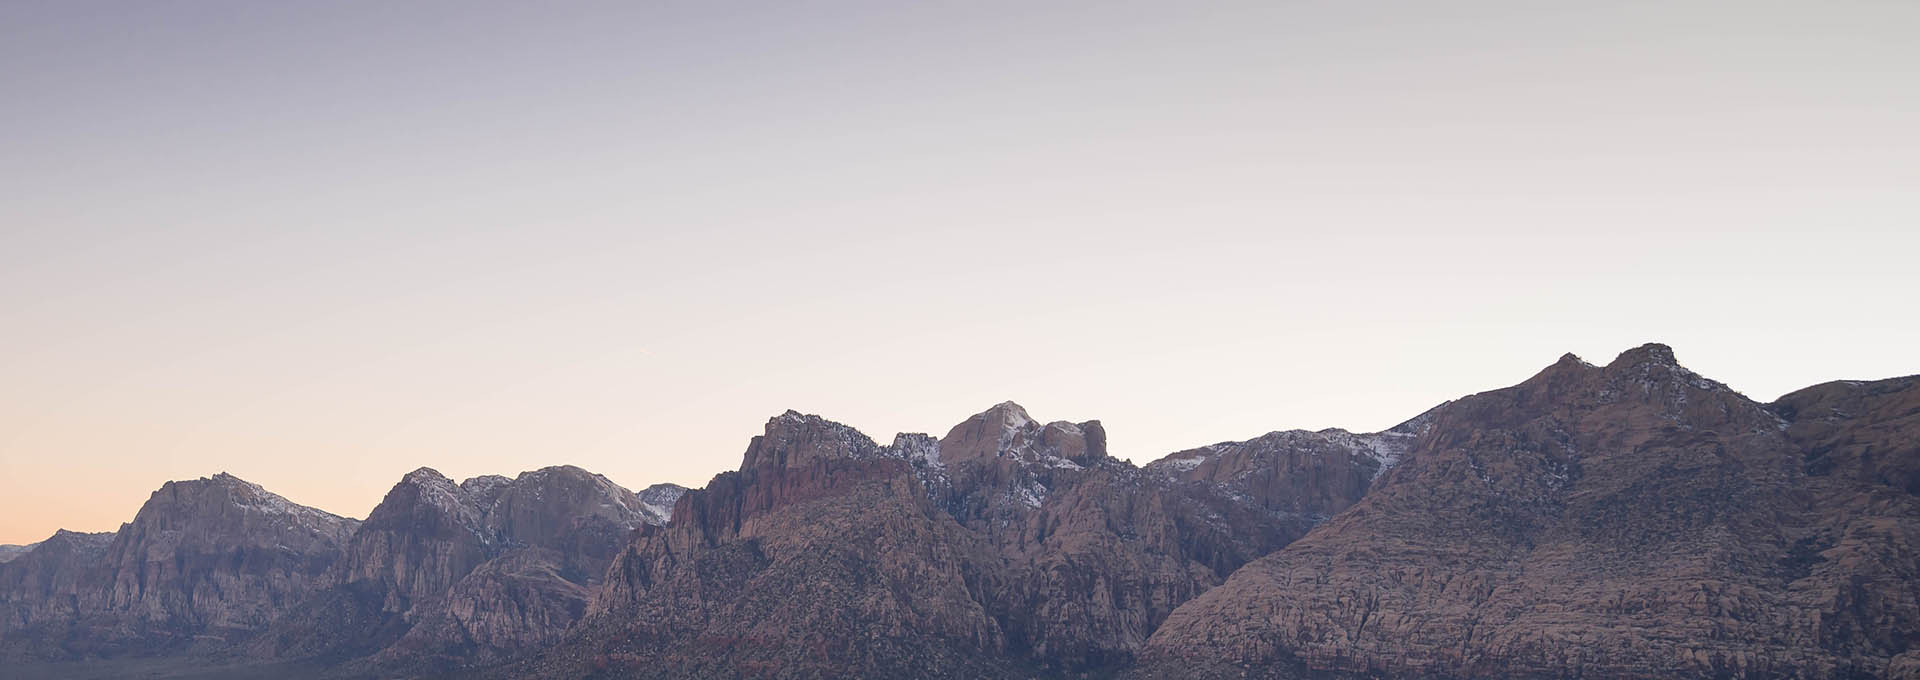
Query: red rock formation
{"points": [[445, 575], [1636, 520], [203, 560], [1008, 546]]}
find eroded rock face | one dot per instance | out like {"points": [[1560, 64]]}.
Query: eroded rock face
{"points": [[658, 501], [220, 553], [9, 552], [1007, 547], [445, 575], [1315, 474], [1094, 553], [1006, 431], [51, 586], [1856, 564], [1635, 520], [821, 557], [420, 540], [1858, 430], [203, 559]]}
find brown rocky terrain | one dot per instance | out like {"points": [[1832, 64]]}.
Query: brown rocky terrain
{"points": [[203, 560], [9, 552], [46, 591], [1632, 520], [821, 556], [1316, 474], [444, 575], [1007, 546]]}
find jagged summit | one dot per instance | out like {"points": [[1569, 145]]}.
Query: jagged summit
{"points": [[791, 417], [659, 500], [561, 471], [1575, 491], [1649, 368], [225, 490], [1013, 414], [224, 480], [1651, 352], [425, 474], [69, 535], [1609, 522], [795, 439], [9, 552], [1007, 430]]}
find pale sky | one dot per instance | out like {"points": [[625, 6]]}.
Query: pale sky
{"points": [[318, 245]]}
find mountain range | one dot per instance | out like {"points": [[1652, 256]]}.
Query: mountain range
{"points": [[1630, 520]]}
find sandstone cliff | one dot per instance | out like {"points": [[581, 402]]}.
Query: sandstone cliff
{"points": [[203, 560], [1632, 520], [1007, 547], [445, 575]]}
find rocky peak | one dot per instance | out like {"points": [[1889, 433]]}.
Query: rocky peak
{"points": [[917, 447], [78, 539], [9, 552], [425, 499], [1856, 430], [1009, 414], [51, 582], [558, 477], [215, 553], [555, 506], [1654, 363], [459, 574], [424, 475], [200, 501], [1312, 474], [658, 500], [225, 503], [795, 439], [985, 434], [1640, 480], [1007, 431], [62, 540], [1650, 353], [422, 537]]}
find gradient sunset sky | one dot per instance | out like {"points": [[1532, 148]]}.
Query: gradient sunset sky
{"points": [[318, 245]]}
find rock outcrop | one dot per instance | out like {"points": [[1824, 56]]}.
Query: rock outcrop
{"points": [[1009, 546], [1626, 521], [47, 591], [658, 501], [9, 552], [444, 575], [1633, 520], [821, 556], [203, 560], [1315, 474]]}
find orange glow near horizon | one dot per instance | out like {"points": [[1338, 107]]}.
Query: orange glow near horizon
{"points": [[319, 247]]}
